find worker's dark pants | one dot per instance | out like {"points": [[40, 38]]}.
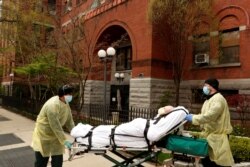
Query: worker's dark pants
{"points": [[56, 160], [206, 162]]}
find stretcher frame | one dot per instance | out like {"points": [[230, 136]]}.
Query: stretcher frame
{"points": [[145, 154]]}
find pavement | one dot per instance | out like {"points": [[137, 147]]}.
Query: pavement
{"points": [[15, 140]]}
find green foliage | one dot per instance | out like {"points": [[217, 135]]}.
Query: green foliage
{"points": [[163, 156], [44, 66], [238, 130], [240, 147]]}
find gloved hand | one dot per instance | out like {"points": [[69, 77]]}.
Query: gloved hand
{"points": [[68, 144], [189, 117]]}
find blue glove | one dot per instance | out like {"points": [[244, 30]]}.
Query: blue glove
{"points": [[68, 144], [189, 117]]}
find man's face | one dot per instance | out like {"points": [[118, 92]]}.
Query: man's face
{"points": [[206, 89]]}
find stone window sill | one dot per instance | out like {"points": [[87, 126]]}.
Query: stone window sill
{"points": [[208, 66]]}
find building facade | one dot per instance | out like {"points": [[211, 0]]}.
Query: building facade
{"points": [[223, 54]]}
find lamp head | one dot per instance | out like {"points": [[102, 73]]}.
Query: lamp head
{"points": [[121, 75], [111, 51], [117, 75], [101, 54]]}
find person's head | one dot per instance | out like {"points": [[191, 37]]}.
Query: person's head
{"points": [[165, 110], [65, 93], [211, 86], [168, 108]]}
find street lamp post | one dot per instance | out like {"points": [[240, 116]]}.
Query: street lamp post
{"points": [[105, 56], [11, 83]]}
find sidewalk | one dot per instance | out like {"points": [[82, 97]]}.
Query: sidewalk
{"points": [[15, 139]]}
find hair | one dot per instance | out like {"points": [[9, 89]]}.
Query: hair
{"points": [[64, 90]]}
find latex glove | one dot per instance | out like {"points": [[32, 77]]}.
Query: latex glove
{"points": [[189, 117], [68, 144]]}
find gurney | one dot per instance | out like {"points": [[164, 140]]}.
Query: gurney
{"points": [[140, 135]]}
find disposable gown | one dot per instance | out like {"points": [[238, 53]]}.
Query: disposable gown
{"points": [[48, 136], [215, 122]]}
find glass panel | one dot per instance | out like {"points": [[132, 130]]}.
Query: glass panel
{"points": [[230, 54], [230, 38], [49, 36], [201, 44], [52, 5], [229, 45], [123, 59]]}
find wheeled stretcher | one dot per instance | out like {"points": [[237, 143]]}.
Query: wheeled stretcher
{"points": [[140, 135]]}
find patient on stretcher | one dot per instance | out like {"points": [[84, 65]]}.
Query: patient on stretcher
{"points": [[138, 133]]}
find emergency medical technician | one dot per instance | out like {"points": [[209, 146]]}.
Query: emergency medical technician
{"points": [[48, 136], [214, 120]]}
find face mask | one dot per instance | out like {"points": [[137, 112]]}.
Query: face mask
{"points": [[68, 98], [206, 90]]}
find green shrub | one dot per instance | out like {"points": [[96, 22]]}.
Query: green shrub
{"points": [[238, 130], [240, 147], [163, 156]]}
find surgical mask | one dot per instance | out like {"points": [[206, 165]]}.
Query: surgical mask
{"points": [[206, 90], [68, 98]]}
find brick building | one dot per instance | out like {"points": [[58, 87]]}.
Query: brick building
{"points": [[140, 56]]}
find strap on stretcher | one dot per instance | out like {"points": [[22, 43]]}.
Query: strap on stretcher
{"points": [[89, 135], [112, 136]]}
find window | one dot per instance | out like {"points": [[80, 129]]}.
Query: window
{"points": [[201, 44], [67, 5], [51, 5], [49, 36], [124, 58], [37, 30], [229, 46]]}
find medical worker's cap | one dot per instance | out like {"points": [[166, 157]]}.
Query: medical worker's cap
{"points": [[213, 82], [65, 89]]}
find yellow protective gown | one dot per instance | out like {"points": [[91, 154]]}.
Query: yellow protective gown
{"points": [[48, 136], [215, 123]]}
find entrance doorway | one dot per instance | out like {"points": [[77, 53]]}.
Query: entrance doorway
{"points": [[119, 101]]}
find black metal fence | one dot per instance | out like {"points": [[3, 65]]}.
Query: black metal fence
{"points": [[97, 114], [92, 113], [29, 106]]}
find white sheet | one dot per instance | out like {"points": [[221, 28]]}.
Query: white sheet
{"points": [[101, 134]]}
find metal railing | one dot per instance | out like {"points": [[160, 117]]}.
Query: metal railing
{"points": [[94, 114], [91, 113]]}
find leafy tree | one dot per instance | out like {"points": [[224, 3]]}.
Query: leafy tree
{"points": [[25, 27], [75, 50], [174, 21], [44, 68]]}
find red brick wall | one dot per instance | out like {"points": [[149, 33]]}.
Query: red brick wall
{"points": [[132, 16], [229, 14], [149, 51]]}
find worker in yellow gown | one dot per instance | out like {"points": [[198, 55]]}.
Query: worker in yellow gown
{"points": [[48, 138], [214, 120]]}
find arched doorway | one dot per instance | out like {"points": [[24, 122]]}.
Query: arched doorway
{"points": [[119, 73]]}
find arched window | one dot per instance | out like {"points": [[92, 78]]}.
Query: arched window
{"points": [[229, 46]]}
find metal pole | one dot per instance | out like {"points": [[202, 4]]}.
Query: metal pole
{"points": [[105, 83]]}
